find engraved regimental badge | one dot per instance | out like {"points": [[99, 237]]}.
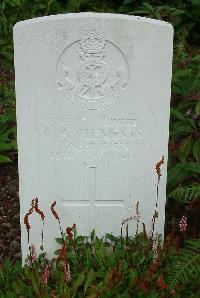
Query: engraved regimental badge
{"points": [[92, 72]]}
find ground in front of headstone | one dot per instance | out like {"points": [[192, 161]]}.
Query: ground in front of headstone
{"points": [[10, 234]]}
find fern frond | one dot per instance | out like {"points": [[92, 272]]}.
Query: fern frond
{"points": [[193, 245], [186, 193], [196, 3], [186, 266]]}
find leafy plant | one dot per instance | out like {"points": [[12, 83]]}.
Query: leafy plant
{"points": [[181, 172], [106, 267], [7, 122], [186, 265], [183, 166], [186, 193]]}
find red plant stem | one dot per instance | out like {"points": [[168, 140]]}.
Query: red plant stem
{"points": [[121, 235], [41, 213], [158, 171], [137, 218], [156, 209], [37, 281], [127, 231]]}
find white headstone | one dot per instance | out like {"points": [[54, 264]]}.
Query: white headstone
{"points": [[93, 96]]}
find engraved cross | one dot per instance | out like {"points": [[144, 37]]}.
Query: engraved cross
{"points": [[93, 201]]}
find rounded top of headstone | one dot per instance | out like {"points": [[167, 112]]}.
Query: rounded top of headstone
{"points": [[93, 15]]}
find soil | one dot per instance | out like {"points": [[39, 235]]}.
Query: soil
{"points": [[10, 236]]}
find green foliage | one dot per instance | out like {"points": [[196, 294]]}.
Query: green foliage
{"points": [[186, 193], [107, 267], [196, 150], [183, 164], [7, 122], [89, 266], [181, 172], [186, 265]]}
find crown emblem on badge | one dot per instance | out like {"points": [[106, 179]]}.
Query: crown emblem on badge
{"points": [[92, 43]]}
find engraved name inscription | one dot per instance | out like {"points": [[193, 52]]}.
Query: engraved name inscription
{"points": [[92, 72], [89, 140]]}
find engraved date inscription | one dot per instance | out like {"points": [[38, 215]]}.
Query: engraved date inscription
{"points": [[92, 140]]}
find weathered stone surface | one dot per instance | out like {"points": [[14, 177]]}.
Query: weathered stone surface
{"points": [[93, 94]]}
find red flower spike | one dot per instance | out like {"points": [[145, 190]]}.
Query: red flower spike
{"points": [[26, 217], [158, 165], [45, 275], [55, 214], [69, 231], [161, 283], [38, 210]]}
